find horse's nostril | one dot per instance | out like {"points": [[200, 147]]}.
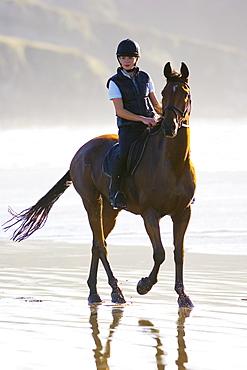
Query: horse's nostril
{"points": [[170, 127]]}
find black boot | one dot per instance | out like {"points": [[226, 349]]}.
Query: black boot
{"points": [[116, 195]]}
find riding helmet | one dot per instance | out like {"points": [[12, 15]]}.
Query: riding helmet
{"points": [[128, 48]]}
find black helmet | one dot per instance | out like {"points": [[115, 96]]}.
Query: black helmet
{"points": [[128, 48]]}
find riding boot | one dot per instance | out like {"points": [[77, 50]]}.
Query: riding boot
{"points": [[116, 195]]}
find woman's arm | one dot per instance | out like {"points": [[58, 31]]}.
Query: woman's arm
{"points": [[123, 113], [155, 103]]}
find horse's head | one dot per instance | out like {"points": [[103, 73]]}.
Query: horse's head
{"points": [[176, 100]]}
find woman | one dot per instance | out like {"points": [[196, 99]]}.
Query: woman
{"points": [[132, 93]]}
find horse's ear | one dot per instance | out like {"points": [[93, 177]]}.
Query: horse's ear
{"points": [[184, 71], [167, 70]]}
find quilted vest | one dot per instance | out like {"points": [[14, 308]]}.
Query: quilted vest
{"points": [[134, 94]]}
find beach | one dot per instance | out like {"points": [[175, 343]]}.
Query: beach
{"points": [[46, 322]]}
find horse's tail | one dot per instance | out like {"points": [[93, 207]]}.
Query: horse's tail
{"points": [[35, 217]]}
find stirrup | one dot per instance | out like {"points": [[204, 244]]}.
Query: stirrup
{"points": [[118, 201]]}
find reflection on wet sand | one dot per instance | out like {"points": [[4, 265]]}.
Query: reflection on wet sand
{"points": [[182, 355], [102, 354], [44, 309], [155, 334]]}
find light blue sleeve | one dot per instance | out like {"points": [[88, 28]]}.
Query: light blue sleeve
{"points": [[151, 86], [113, 91]]}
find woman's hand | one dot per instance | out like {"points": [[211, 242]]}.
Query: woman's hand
{"points": [[149, 121]]}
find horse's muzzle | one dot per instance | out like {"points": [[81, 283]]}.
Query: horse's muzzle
{"points": [[170, 127]]}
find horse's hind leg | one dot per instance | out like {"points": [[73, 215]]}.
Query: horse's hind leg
{"points": [[97, 222], [92, 279], [179, 228], [93, 209], [109, 216]]}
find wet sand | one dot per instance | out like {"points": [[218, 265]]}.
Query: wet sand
{"points": [[46, 322]]}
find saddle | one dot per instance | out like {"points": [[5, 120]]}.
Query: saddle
{"points": [[135, 153]]}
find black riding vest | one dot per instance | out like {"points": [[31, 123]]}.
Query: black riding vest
{"points": [[134, 94]]}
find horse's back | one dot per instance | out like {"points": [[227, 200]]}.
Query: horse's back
{"points": [[94, 149], [86, 168]]}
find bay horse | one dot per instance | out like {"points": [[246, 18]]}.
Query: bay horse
{"points": [[164, 183]]}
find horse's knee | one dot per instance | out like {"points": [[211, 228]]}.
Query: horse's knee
{"points": [[159, 256]]}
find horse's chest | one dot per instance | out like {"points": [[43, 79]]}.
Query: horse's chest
{"points": [[181, 195], [164, 191], [172, 196]]}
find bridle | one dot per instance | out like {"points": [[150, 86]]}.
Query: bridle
{"points": [[180, 120], [179, 113]]}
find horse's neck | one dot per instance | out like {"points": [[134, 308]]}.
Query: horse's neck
{"points": [[178, 149]]}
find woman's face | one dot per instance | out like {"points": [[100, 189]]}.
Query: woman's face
{"points": [[128, 63]]}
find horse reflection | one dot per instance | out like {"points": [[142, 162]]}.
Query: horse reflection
{"points": [[182, 355], [155, 334], [102, 354]]}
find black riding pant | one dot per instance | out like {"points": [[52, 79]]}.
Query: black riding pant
{"points": [[128, 134]]}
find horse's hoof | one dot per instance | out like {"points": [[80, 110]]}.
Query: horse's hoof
{"points": [[184, 312], [184, 302], [117, 297], [94, 298], [144, 285]]}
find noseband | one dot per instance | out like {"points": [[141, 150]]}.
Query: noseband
{"points": [[179, 113], [180, 120]]}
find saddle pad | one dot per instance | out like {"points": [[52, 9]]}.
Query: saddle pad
{"points": [[110, 159]]}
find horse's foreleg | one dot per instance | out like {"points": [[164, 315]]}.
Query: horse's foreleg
{"points": [[99, 251], [179, 228], [151, 222]]}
